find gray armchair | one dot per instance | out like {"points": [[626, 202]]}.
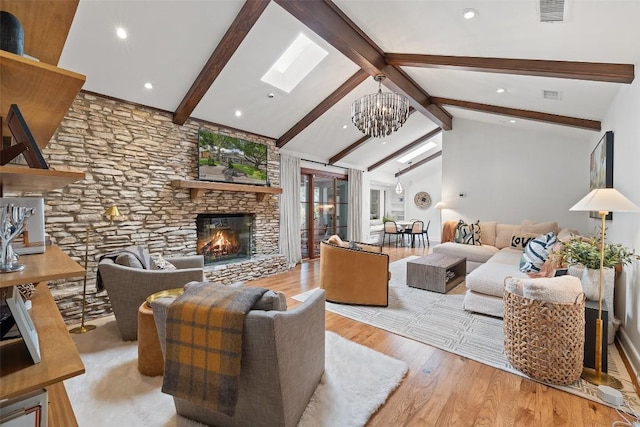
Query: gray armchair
{"points": [[129, 287], [282, 363]]}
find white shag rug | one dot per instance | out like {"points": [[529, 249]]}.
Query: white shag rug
{"points": [[440, 321], [356, 382]]}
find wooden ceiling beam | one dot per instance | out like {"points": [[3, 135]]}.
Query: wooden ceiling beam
{"points": [[346, 88], [350, 149], [523, 114], [405, 149], [595, 71], [240, 27], [353, 147], [330, 23], [418, 164]]}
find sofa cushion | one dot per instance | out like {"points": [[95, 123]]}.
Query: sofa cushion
{"points": [[504, 233], [476, 253], [507, 255], [529, 226], [489, 278], [537, 252], [488, 232]]}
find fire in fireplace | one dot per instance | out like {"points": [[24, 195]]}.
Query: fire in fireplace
{"points": [[223, 237]]}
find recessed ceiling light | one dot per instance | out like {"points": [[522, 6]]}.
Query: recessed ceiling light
{"points": [[469, 13], [121, 32], [344, 126], [238, 113], [148, 85], [512, 121], [297, 61], [384, 142], [415, 153], [501, 90], [271, 95]]}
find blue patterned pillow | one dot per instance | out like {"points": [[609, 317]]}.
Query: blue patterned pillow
{"points": [[536, 252]]}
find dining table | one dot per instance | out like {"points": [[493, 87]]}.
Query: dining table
{"points": [[406, 226]]}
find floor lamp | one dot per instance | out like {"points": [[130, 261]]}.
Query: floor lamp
{"points": [[602, 200], [111, 213]]}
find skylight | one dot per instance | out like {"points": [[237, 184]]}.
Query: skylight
{"points": [[294, 64], [415, 153]]}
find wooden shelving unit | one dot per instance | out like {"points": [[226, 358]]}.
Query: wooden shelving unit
{"points": [[60, 358], [43, 93], [53, 264], [199, 187]]}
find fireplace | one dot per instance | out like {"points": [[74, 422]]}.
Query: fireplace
{"points": [[224, 237]]}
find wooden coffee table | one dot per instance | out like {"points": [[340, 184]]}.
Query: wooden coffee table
{"points": [[430, 272]]}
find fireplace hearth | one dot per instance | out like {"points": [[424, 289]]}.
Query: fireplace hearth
{"points": [[224, 237]]}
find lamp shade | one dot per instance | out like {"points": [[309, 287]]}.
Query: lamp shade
{"points": [[440, 205], [399, 188], [112, 213], [605, 199]]}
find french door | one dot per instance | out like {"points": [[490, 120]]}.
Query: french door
{"points": [[324, 203]]}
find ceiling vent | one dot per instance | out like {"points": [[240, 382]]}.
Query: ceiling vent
{"points": [[552, 10], [553, 95]]}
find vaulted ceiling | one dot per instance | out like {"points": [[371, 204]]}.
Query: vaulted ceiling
{"points": [[205, 59]]}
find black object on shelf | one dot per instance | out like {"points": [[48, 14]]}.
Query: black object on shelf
{"points": [[25, 143], [590, 316], [11, 33]]}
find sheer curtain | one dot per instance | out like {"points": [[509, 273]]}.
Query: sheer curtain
{"points": [[354, 215], [290, 209]]}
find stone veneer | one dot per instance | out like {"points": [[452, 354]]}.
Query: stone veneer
{"points": [[130, 154]]}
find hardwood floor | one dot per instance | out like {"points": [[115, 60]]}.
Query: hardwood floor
{"points": [[442, 388]]}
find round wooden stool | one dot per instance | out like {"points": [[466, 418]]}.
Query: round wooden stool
{"points": [[150, 360]]}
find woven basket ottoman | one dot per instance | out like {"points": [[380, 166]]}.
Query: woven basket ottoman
{"points": [[544, 340]]}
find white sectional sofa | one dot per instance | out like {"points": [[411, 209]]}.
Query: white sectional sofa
{"points": [[490, 263]]}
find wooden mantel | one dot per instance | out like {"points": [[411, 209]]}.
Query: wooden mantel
{"points": [[199, 187]]}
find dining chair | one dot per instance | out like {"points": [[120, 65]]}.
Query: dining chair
{"points": [[391, 228], [426, 232], [416, 230]]}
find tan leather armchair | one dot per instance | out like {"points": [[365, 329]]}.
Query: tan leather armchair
{"points": [[352, 276]]}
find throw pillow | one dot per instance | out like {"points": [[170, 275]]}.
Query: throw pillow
{"points": [[160, 263], [468, 234], [537, 252], [128, 260], [521, 240], [353, 245], [504, 233]]}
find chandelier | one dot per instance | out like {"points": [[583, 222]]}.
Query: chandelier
{"points": [[380, 114]]}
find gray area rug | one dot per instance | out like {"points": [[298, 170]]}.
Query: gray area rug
{"points": [[440, 321], [356, 382]]}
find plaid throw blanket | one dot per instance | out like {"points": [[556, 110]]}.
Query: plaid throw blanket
{"points": [[204, 344]]}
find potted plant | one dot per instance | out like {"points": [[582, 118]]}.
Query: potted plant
{"points": [[583, 253], [586, 251]]}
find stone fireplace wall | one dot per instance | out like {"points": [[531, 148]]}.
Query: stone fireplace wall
{"points": [[130, 154]]}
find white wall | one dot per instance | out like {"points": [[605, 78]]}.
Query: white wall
{"points": [[428, 178], [508, 175], [622, 119]]}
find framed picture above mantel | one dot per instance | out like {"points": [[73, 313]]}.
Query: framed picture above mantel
{"points": [[601, 167]]}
